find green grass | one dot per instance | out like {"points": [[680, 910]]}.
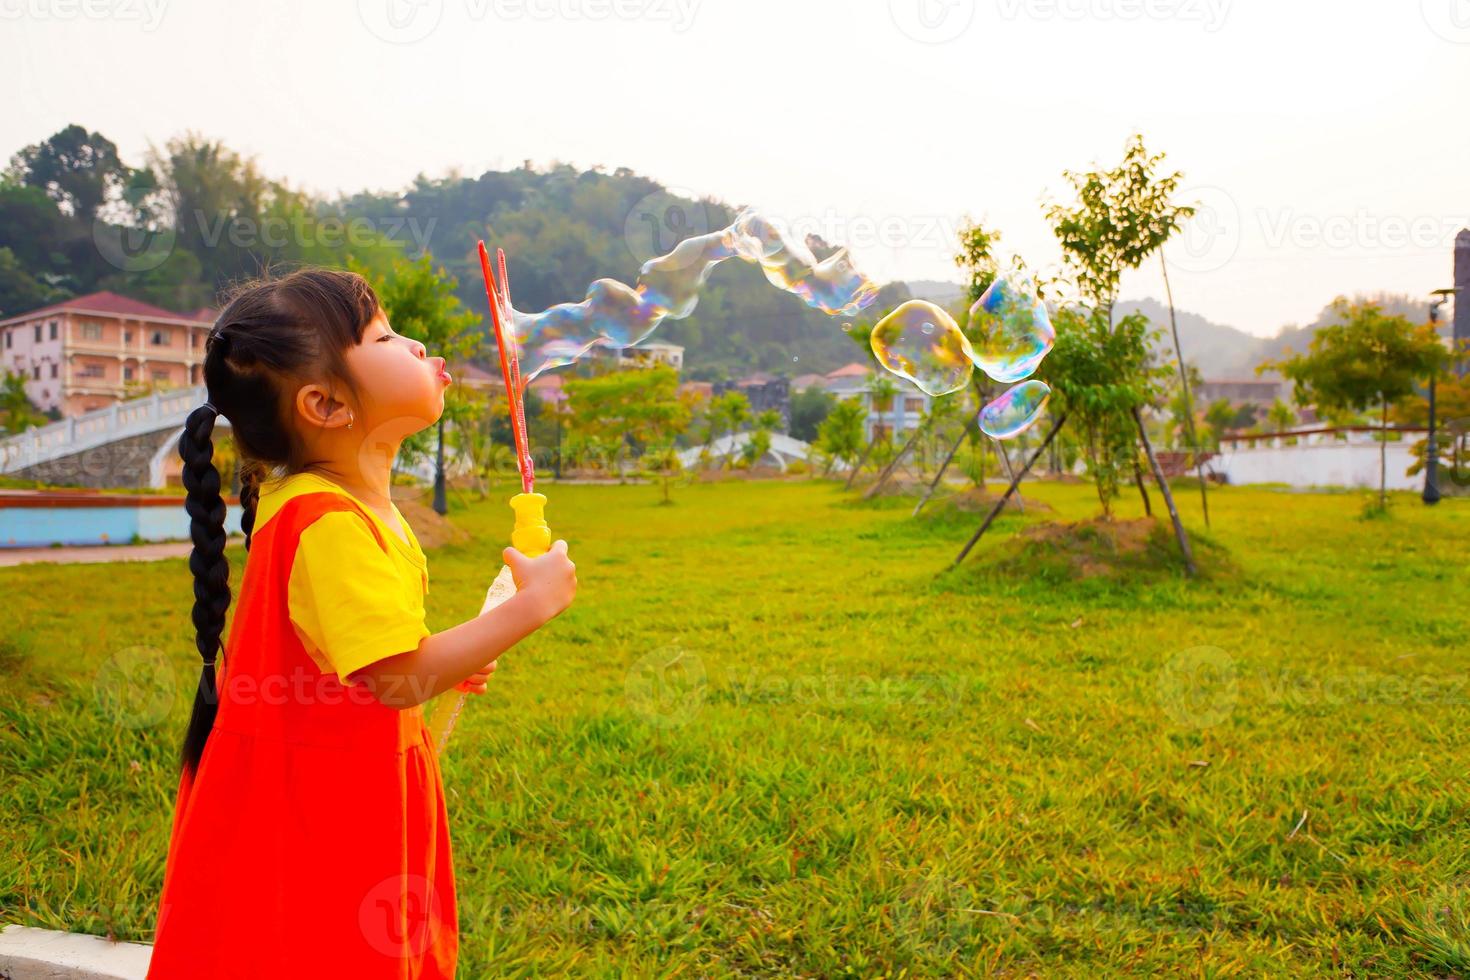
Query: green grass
{"points": [[768, 739]]}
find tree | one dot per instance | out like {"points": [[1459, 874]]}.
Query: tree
{"points": [[840, 435], [729, 411], [809, 408], [645, 404], [17, 412], [77, 169], [1100, 376], [421, 303], [1367, 359], [1121, 217], [1220, 417], [976, 257], [1281, 416]]}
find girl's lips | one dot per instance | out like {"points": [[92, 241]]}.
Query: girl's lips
{"points": [[444, 376]]}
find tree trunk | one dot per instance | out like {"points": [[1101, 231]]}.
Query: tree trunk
{"points": [[1005, 458], [1199, 462], [1148, 510], [888, 471], [862, 461], [1383, 458], [990, 518], [945, 465], [1158, 472]]}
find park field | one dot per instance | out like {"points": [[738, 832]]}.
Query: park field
{"points": [[774, 737]]}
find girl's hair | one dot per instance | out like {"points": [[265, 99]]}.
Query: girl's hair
{"points": [[273, 335]]}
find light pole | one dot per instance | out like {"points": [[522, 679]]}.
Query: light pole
{"points": [[1431, 447]]}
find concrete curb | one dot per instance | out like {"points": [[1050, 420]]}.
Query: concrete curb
{"points": [[47, 954]]}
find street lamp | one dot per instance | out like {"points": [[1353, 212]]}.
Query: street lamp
{"points": [[1431, 447]]}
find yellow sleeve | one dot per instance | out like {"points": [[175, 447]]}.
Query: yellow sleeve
{"points": [[348, 599]]}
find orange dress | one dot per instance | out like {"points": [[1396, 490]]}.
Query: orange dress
{"points": [[313, 840]]}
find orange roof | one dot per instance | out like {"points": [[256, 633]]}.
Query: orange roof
{"points": [[108, 302], [850, 371]]}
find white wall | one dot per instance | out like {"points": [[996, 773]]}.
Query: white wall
{"points": [[1326, 464]]}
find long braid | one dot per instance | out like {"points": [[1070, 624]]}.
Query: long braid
{"points": [[210, 567], [271, 334]]}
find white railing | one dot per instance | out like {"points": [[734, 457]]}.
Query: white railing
{"points": [[118, 421]]}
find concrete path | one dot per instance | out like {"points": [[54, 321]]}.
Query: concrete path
{"points": [[32, 954], [87, 555]]}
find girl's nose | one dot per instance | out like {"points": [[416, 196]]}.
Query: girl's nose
{"points": [[420, 350]]}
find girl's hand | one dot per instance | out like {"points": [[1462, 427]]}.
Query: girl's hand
{"points": [[476, 682], [550, 581]]}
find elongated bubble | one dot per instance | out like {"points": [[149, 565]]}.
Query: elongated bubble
{"points": [[617, 315], [921, 342], [1009, 330], [1015, 411]]}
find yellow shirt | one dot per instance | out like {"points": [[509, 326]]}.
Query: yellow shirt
{"points": [[352, 603]]}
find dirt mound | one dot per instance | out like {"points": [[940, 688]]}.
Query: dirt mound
{"points": [[1099, 548], [416, 506]]}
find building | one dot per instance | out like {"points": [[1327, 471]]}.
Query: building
{"points": [[1258, 392], [647, 354], [547, 387], [92, 351], [765, 392], [898, 416]]}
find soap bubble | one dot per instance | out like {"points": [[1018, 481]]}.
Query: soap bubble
{"points": [[1009, 330], [617, 315], [921, 342], [1015, 411]]}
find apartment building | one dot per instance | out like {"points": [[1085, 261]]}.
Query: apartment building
{"points": [[89, 352]]}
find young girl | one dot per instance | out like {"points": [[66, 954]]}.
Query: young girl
{"points": [[309, 834]]}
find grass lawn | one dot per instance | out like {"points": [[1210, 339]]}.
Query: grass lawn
{"points": [[769, 740]]}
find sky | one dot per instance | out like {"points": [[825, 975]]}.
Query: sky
{"points": [[1325, 143]]}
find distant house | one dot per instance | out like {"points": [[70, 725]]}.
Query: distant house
{"points": [[92, 351], [1259, 392], [648, 354], [548, 387], [765, 392], [893, 419]]}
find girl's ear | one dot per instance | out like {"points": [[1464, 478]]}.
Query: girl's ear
{"points": [[317, 408]]}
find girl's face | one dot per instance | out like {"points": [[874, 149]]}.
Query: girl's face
{"points": [[402, 388]]}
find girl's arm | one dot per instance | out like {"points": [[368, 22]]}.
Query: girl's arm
{"points": [[545, 587]]}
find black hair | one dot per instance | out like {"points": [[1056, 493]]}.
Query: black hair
{"points": [[272, 335]]}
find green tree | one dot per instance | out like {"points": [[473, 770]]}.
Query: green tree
{"points": [[1102, 377], [840, 436], [1220, 418], [809, 409], [77, 169], [1121, 217], [976, 257], [17, 412], [1367, 359], [644, 403], [1281, 416]]}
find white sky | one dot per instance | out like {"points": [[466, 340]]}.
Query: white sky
{"points": [[1318, 134]]}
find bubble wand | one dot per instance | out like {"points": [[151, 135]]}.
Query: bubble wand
{"points": [[530, 535]]}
